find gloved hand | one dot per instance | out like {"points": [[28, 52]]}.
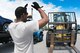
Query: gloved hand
{"points": [[35, 5]]}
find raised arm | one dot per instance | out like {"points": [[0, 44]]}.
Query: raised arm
{"points": [[42, 22]]}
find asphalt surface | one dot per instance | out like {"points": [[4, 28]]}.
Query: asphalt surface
{"points": [[41, 47]]}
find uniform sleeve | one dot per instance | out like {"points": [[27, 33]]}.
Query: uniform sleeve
{"points": [[33, 25]]}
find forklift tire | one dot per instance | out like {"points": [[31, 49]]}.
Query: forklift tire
{"points": [[48, 45], [47, 39]]}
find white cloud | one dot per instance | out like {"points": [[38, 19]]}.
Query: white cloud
{"points": [[7, 8], [2, 0]]}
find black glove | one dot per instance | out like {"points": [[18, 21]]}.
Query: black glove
{"points": [[35, 5]]}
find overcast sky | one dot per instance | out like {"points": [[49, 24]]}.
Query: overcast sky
{"points": [[7, 7]]}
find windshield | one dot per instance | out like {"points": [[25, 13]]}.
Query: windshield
{"points": [[62, 17]]}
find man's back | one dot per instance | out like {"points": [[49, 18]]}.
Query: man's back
{"points": [[22, 35]]}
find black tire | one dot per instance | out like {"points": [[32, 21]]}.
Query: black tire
{"points": [[47, 39], [6, 35]]}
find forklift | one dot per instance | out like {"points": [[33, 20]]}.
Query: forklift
{"points": [[62, 30]]}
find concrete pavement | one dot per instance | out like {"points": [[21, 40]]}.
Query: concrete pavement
{"points": [[41, 47]]}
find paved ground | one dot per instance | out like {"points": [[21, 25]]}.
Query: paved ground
{"points": [[41, 47]]}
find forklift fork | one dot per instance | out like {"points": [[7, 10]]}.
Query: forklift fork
{"points": [[72, 43], [51, 43]]}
